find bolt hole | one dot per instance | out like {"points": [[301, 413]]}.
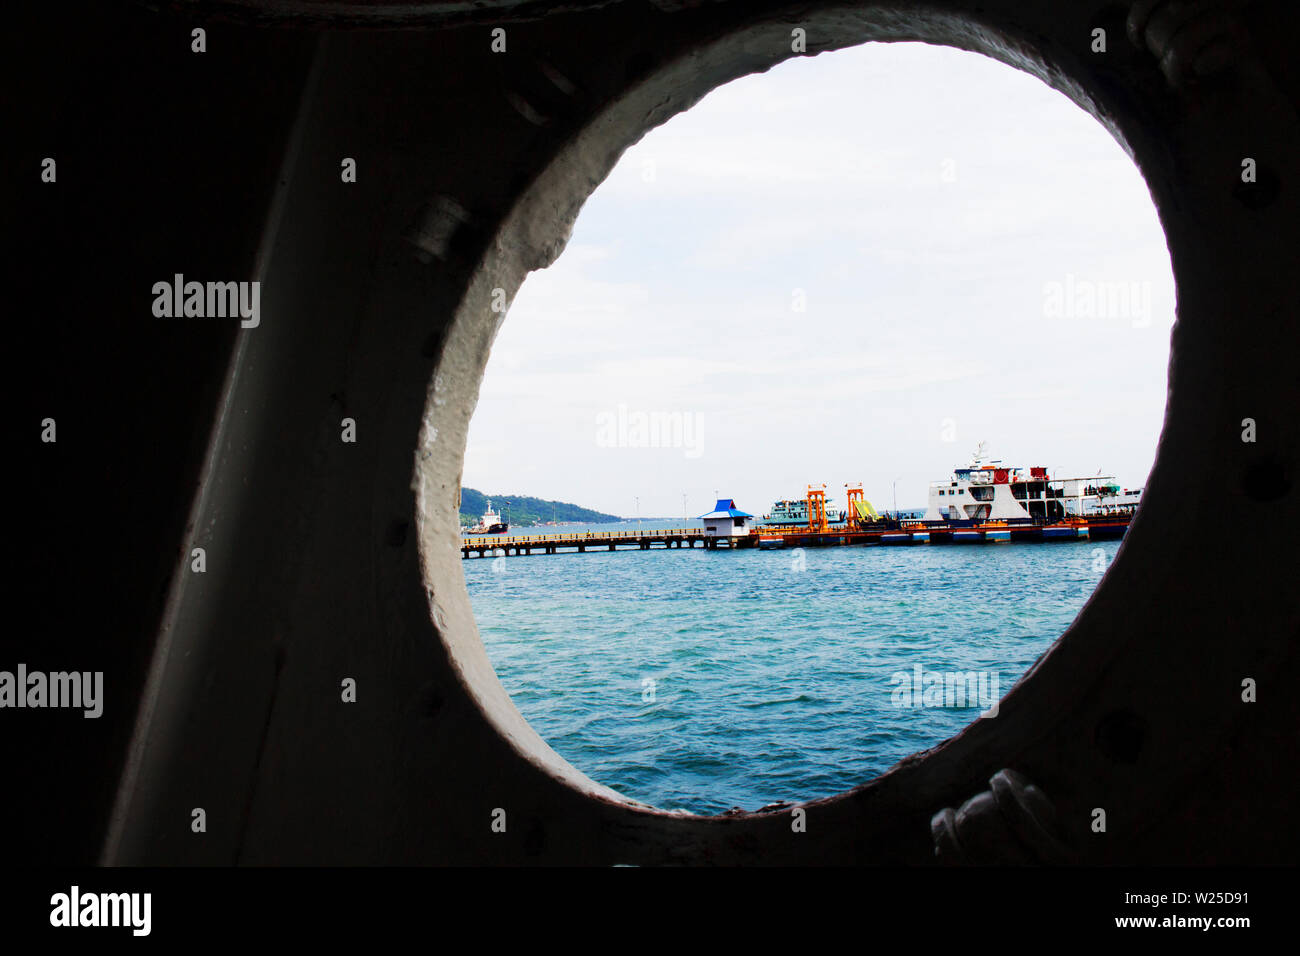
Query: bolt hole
{"points": [[1262, 192]]}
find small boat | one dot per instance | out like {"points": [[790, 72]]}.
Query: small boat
{"points": [[490, 523]]}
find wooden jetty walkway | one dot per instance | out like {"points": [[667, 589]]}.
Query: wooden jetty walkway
{"points": [[643, 540], [886, 532]]}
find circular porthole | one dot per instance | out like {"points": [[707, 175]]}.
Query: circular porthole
{"points": [[1058, 724], [849, 269]]}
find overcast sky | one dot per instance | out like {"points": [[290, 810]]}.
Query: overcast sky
{"points": [[851, 268]]}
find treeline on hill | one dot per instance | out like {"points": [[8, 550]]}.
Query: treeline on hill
{"points": [[521, 510]]}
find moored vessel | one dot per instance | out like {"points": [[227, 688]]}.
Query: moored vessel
{"points": [[795, 511], [489, 523], [987, 491]]}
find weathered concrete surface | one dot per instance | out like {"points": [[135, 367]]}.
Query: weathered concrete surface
{"points": [[329, 560]]}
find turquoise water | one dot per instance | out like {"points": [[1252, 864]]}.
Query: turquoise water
{"points": [[704, 680]]}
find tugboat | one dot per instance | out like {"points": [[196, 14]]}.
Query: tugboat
{"points": [[490, 523]]}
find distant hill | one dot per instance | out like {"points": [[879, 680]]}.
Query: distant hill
{"points": [[521, 510]]}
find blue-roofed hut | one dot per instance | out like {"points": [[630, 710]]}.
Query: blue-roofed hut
{"points": [[726, 520]]}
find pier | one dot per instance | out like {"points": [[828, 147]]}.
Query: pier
{"points": [[885, 533], [484, 545]]}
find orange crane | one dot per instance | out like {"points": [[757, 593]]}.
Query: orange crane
{"points": [[852, 517], [817, 509]]}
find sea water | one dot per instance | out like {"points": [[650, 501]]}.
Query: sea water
{"points": [[705, 680]]}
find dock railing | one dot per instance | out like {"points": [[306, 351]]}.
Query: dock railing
{"points": [[497, 540]]}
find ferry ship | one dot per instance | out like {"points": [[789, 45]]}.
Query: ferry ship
{"points": [[490, 523], [796, 512], [985, 491]]}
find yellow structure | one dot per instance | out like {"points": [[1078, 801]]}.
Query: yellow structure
{"points": [[859, 510]]}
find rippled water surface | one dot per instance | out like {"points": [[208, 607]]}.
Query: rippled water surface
{"points": [[702, 680]]}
